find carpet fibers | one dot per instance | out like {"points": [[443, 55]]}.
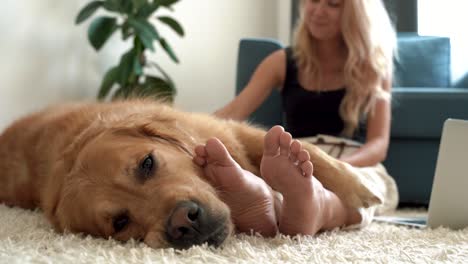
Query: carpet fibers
{"points": [[26, 237]]}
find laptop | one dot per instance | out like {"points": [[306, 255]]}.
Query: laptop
{"points": [[448, 205]]}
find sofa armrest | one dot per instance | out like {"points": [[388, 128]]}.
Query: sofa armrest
{"points": [[421, 112], [418, 115]]}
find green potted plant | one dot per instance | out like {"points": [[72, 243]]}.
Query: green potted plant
{"points": [[132, 18]]}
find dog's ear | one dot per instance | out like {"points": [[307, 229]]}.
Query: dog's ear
{"points": [[61, 201], [52, 192], [54, 186]]}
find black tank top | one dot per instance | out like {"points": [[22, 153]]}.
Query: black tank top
{"points": [[308, 113]]}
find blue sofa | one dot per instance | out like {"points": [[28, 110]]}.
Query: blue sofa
{"points": [[423, 98]]}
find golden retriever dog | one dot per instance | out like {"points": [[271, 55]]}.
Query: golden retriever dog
{"points": [[125, 170]]}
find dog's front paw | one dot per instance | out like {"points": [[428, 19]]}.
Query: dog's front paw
{"points": [[356, 190]]}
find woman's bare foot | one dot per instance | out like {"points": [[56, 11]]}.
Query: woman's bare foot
{"points": [[248, 196], [287, 168]]}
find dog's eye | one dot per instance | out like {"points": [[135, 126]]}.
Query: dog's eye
{"points": [[120, 222], [146, 167]]}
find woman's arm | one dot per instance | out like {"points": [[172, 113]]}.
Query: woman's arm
{"points": [[378, 134], [269, 74]]}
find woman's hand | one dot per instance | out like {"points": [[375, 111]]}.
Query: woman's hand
{"points": [[369, 154], [378, 134]]}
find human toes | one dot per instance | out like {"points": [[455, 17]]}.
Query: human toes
{"points": [[271, 141], [307, 168], [303, 159], [200, 155], [296, 147], [217, 153], [285, 141], [303, 155]]}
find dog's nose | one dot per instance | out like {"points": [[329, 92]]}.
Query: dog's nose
{"points": [[190, 224], [185, 221]]}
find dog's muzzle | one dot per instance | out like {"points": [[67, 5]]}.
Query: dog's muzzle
{"points": [[191, 224]]}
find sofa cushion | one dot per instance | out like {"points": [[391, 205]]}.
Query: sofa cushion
{"points": [[251, 52], [419, 113], [422, 61]]}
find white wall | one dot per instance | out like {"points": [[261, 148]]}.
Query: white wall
{"points": [[284, 21], [206, 76], [45, 58], [447, 18]]}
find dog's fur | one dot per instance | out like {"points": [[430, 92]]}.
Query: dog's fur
{"points": [[81, 164]]}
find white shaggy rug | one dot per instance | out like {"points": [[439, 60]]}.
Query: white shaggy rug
{"points": [[26, 237]]}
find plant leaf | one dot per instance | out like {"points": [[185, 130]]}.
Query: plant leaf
{"points": [[167, 3], [137, 4], [166, 76], [126, 6], [158, 87], [120, 6], [87, 11], [145, 31], [168, 50], [100, 31], [137, 67], [109, 79], [126, 67], [155, 81], [172, 23], [150, 8], [112, 5], [127, 31], [147, 9], [119, 93]]}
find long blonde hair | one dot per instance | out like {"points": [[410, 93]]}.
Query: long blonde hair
{"points": [[370, 41]]}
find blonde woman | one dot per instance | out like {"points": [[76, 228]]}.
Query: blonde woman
{"points": [[334, 80]]}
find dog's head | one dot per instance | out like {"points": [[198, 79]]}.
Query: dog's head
{"points": [[137, 180]]}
